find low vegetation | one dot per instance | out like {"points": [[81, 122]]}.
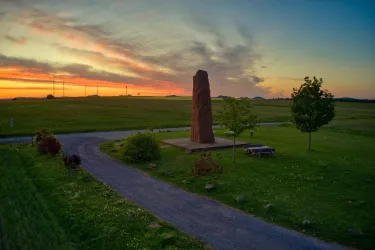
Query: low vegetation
{"points": [[326, 192], [72, 161], [206, 166], [141, 147], [44, 205], [46, 142]]}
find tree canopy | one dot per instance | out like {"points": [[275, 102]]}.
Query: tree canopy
{"points": [[312, 107], [236, 115]]}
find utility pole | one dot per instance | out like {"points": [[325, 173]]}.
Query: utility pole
{"points": [[126, 90], [85, 90], [97, 90], [63, 90], [53, 85]]}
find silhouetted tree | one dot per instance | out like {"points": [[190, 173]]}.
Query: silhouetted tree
{"points": [[50, 97], [311, 106]]}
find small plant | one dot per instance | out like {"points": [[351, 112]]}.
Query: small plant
{"points": [[40, 135], [49, 145], [72, 161], [206, 166], [141, 147]]}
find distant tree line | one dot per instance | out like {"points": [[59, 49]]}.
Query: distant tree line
{"points": [[354, 100], [339, 100]]}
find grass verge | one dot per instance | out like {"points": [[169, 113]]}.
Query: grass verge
{"points": [[43, 205]]}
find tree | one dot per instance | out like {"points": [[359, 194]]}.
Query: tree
{"points": [[50, 97], [311, 106], [236, 115]]}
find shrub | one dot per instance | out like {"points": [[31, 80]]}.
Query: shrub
{"points": [[49, 145], [141, 147], [206, 166], [72, 161], [49, 97], [41, 134]]}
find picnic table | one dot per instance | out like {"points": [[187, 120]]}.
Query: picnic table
{"points": [[259, 150]]}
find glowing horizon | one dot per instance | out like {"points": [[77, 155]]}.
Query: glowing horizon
{"points": [[249, 48]]}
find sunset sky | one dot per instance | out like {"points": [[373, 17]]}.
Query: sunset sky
{"points": [[249, 47]]}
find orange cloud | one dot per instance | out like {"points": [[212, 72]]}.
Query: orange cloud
{"points": [[89, 38], [17, 75]]}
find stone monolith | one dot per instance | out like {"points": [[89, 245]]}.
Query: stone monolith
{"points": [[201, 117]]}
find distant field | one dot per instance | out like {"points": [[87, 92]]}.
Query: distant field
{"points": [[120, 113]]}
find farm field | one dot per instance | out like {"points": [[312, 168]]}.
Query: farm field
{"points": [[44, 205], [122, 113], [330, 186]]}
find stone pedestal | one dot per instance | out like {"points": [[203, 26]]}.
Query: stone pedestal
{"points": [[201, 117]]}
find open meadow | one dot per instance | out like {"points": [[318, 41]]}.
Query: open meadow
{"points": [[122, 113]]}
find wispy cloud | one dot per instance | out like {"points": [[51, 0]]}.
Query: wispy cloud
{"points": [[17, 41]]}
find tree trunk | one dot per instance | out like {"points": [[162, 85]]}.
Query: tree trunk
{"points": [[309, 140], [234, 148]]}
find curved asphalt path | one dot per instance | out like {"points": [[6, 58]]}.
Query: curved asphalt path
{"points": [[220, 226]]}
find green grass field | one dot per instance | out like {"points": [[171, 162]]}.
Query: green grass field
{"points": [[332, 186], [122, 113], [43, 205]]}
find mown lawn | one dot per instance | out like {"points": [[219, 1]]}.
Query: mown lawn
{"points": [[122, 113], [43, 205], [332, 186]]}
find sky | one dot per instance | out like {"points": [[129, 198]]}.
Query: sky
{"points": [[154, 47]]}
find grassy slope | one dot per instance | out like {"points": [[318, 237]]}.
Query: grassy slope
{"points": [[332, 185], [119, 113], [46, 206]]}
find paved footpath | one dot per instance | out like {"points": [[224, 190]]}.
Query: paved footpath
{"points": [[220, 226]]}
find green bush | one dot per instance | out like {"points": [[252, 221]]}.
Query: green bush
{"points": [[141, 147]]}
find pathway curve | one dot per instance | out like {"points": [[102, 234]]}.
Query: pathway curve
{"points": [[220, 226]]}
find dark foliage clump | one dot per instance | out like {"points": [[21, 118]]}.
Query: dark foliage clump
{"points": [[46, 142], [141, 147], [49, 145], [206, 166], [73, 161], [40, 135]]}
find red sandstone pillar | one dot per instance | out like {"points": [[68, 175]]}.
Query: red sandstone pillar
{"points": [[201, 116]]}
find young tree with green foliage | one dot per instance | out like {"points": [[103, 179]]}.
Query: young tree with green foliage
{"points": [[311, 106], [236, 115]]}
